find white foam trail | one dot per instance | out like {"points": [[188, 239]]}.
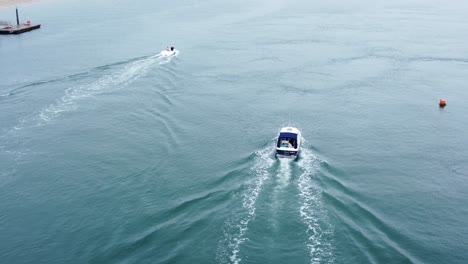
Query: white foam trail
{"points": [[168, 59], [123, 77], [68, 102], [236, 227], [283, 177], [312, 212], [284, 172]]}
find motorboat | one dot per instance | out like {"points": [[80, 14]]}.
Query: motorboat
{"points": [[169, 52], [288, 143]]}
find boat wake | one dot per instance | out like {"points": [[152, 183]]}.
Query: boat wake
{"points": [[236, 227], [167, 59], [284, 172], [117, 75], [312, 213], [319, 231], [121, 78]]}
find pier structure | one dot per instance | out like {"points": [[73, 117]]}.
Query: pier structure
{"points": [[7, 28]]}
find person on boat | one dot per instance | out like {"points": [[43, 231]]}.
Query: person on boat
{"points": [[172, 48]]}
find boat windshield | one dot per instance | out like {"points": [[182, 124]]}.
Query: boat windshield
{"points": [[284, 142], [287, 140]]}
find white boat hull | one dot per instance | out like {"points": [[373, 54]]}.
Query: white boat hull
{"points": [[168, 53]]}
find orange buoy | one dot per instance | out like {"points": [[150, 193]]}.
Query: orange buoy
{"points": [[442, 103]]}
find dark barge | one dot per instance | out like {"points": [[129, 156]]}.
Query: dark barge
{"points": [[18, 28]]}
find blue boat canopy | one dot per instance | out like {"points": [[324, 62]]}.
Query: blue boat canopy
{"points": [[288, 135]]}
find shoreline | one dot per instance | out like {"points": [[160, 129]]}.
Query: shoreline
{"points": [[4, 4]]}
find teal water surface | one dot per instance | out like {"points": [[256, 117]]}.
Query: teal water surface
{"points": [[111, 153]]}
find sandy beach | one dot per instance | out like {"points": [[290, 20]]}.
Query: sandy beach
{"points": [[12, 3]]}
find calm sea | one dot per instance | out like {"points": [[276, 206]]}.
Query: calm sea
{"points": [[110, 153]]}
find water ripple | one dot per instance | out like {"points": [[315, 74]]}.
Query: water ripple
{"points": [[236, 228], [313, 214]]}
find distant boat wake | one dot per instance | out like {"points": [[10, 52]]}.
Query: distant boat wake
{"points": [[112, 76], [311, 212], [116, 75], [120, 78]]}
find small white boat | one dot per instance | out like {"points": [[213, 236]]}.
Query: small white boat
{"points": [[169, 52], [288, 143]]}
